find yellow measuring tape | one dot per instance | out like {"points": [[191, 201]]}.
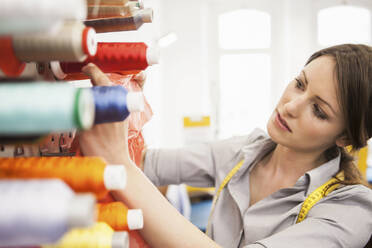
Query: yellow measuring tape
{"points": [[310, 201], [318, 194], [217, 195]]}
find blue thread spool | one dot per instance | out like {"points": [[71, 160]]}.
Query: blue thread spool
{"points": [[115, 103]]}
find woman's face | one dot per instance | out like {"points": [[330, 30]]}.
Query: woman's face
{"points": [[307, 117]]}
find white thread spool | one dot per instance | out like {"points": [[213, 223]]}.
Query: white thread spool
{"points": [[24, 16], [29, 73], [35, 212], [107, 2], [72, 42]]}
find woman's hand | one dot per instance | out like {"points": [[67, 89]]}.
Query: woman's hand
{"points": [[163, 221], [109, 140]]}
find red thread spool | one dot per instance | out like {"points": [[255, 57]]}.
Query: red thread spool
{"points": [[9, 63], [119, 217], [82, 174], [111, 57]]}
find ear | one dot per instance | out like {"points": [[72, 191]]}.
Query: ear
{"points": [[343, 141]]}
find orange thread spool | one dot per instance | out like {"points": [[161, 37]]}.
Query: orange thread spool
{"points": [[83, 174], [119, 217]]}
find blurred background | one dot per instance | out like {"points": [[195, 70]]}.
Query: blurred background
{"points": [[231, 60]]}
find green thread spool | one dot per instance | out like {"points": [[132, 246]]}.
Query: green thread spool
{"points": [[39, 108]]}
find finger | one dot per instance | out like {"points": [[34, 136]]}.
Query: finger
{"points": [[97, 77], [140, 78]]}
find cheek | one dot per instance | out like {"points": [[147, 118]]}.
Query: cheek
{"points": [[316, 130], [286, 96]]}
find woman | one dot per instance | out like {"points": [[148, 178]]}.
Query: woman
{"points": [[327, 107]]}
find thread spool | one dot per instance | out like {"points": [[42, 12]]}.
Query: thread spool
{"points": [[119, 217], [121, 23], [100, 235], [46, 15], [10, 65], [114, 103], [82, 174], [112, 57], [72, 42], [107, 2], [108, 11], [29, 73], [80, 76], [60, 107], [57, 9], [35, 212]]}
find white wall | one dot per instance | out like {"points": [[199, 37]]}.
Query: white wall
{"points": [[189, 72], [183, 67]]}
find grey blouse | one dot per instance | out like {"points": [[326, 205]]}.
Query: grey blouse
{"points": [[341, 219]]}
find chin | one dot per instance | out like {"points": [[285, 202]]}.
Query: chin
{"points": [[271, 131]]}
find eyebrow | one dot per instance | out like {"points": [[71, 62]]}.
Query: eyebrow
{"points": [[329, 105]]}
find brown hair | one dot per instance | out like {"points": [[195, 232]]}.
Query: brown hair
{"points": [[353, 70]]}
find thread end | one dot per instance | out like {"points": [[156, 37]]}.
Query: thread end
{"points": [[89, 41], [152, 55], [147, 15], [81, 212], [135, 219], [120, 240], [85, 108], [115, 177], [57, 70], [135, 102]]}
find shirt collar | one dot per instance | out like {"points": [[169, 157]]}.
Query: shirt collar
{"points": [[313, 178], [321, 174]]}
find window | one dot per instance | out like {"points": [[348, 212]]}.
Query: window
{"points": [[244, 29], [344, 24], [245, 71]]}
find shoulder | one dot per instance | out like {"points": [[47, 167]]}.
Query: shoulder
{"points": [[229, 152], [355, 199], [236, 143], [358, 193], [348, 210]]}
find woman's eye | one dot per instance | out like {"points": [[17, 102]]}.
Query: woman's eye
{"points": [[319, 113], [299, 84]]}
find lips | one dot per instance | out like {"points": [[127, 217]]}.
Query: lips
{"points": [[282, 122]]}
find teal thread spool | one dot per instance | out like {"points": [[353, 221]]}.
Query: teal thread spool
{"points": [[39, 108]]}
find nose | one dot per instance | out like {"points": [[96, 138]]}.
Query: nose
{"points": [[294, 106]]}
